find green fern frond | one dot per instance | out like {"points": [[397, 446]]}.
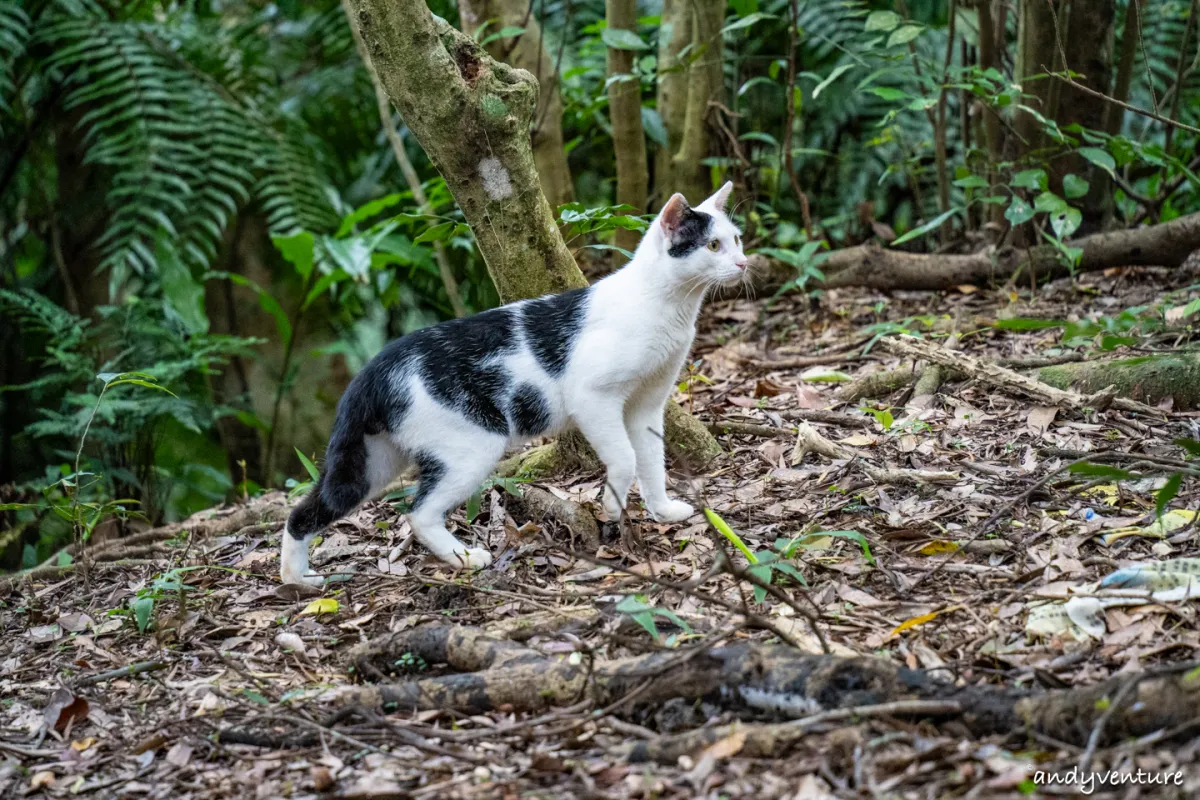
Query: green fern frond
{"points": [[14, 36]]}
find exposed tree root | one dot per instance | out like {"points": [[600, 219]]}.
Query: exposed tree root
{"points": [[540, 505], [270, 508], [877, 384], [757, 679], [1165, 245]]}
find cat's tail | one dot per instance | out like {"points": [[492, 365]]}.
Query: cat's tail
{"points": [[342, 486]]}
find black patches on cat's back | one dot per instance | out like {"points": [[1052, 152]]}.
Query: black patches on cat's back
{"points": [[552, 324], [460, 364], [692, 233], [529, 412]]}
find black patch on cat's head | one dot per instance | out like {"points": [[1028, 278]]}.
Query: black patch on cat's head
{"points": [[690, 234]]}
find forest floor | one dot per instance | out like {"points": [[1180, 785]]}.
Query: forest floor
{"points": [[918, 581]]}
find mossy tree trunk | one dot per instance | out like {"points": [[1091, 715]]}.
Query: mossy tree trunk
{"points": [[625, 112], [471, 114], [705, 81], [674, 34], [528, 52]]}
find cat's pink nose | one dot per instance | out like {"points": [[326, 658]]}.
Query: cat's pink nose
{"points": [[741, 263]]}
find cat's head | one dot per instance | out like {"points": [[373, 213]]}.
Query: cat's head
{"points": [[701, 245]]}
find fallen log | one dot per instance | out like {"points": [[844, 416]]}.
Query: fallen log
{"points": [[1146, 379], [1010, 381], [756, 680], [1164, 245]]}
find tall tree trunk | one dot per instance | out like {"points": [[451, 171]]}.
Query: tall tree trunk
{"points": [[471, 114], [1037, 53], [1114, 114], [625, 112], [1087, 38], [528, 52], [992, 132], [705, 80], [674, 34]]}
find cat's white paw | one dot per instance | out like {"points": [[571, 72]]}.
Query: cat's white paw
{"points": [[612, 506], [473, 558], [306, 579], [673, 511]]}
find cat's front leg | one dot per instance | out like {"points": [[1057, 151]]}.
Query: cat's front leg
{"points": [[602, 423], [645, 427]]}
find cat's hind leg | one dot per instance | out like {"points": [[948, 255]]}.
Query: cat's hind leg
{"points": [[355, 469], [447, 478]]}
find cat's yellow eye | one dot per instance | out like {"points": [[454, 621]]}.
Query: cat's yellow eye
{"points": [[714, 245], [737, 239]]}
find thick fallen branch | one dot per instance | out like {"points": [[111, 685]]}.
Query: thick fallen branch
{"points": [[756, 679], [809, 441], [1010, 381], [1165, 245]]}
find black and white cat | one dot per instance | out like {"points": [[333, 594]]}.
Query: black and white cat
{"points": [[452, 397]]}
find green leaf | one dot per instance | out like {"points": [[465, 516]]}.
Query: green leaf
{"points": [[503, 33], [1027, 324], [933, 224], [882, 21], [309, 466], [972, 182], [1018, 211], [366, 211], [1066, 222], [64, 559], [904, 35], [352, 255], [1049, 203], [182, 291], [653, 125], [622, 39], [297, 250], [1099, 157], [746, 21], [1074, 186], [1167, 493], [723, 528], [1032, 179], [1191, 445], [833, 76], [437, 233], [142, 608], [888, 93], [143, 384], [1101, 471], [474, 505]]}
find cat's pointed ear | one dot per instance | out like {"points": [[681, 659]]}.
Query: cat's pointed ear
{"points": [[671, 216], [720, 198]]}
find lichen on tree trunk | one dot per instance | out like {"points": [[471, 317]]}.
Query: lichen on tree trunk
{"points": [[528, 51], [625, 112], [471, 114]]}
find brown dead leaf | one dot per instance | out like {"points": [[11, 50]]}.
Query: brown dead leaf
{"points": [[768, 388], [1040, 418], [64, 708], [42, 780], [730, 746]]}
